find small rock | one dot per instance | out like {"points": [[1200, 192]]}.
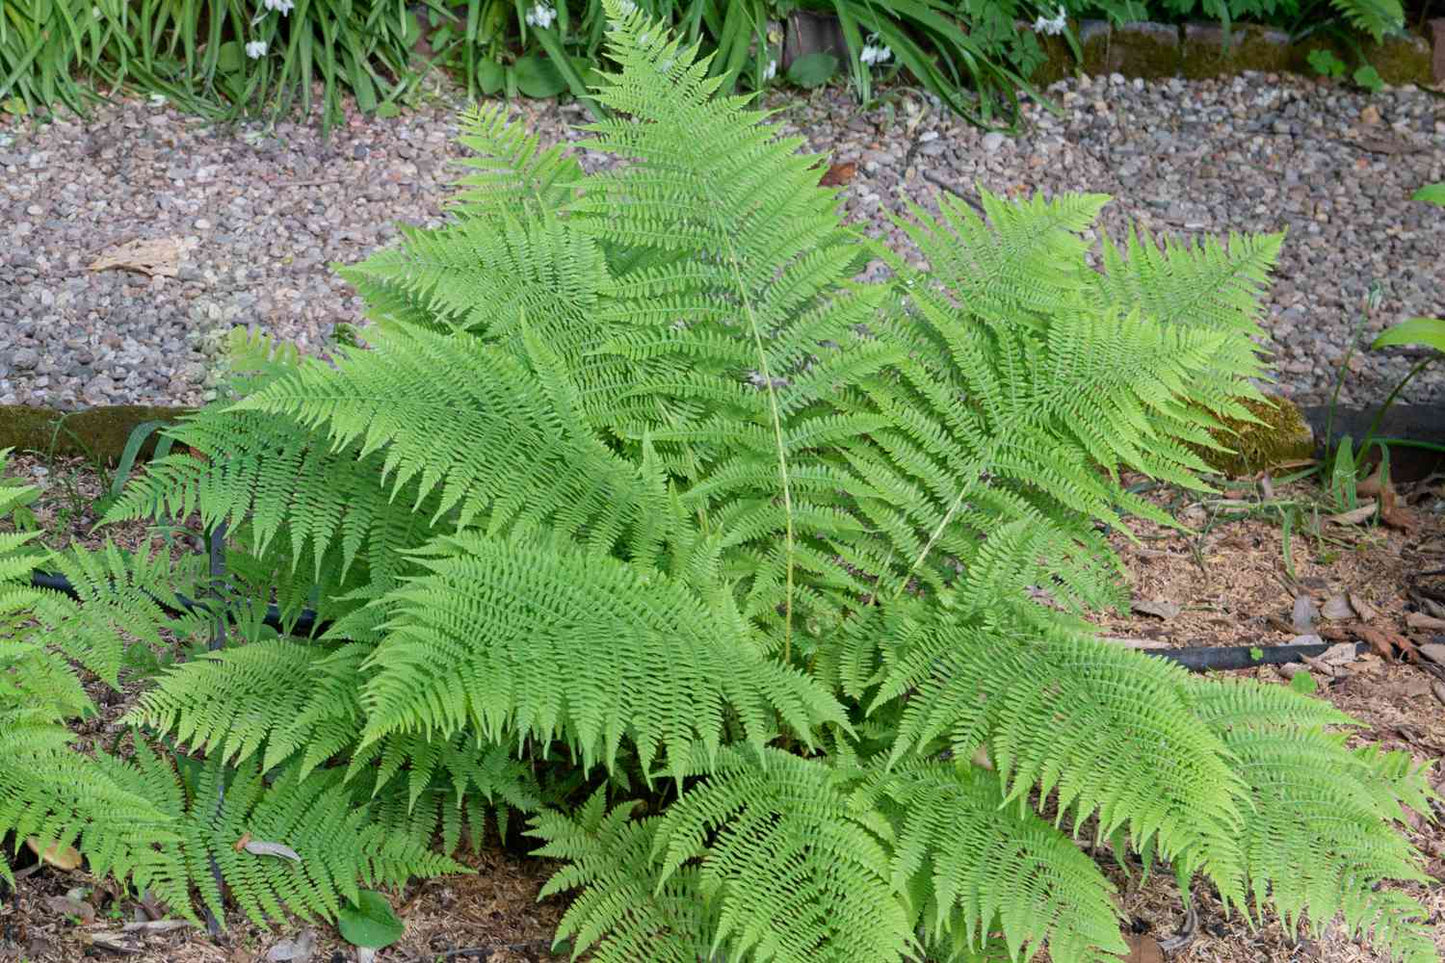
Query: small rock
{"points": [[1305, 612], [992, 141], [1370, 115], [25, 359]]}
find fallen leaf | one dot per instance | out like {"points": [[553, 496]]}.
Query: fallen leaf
{"points": [[1303, 617], [297, 950], [157, 926], [1290, 669], [1434, 651], [839, 175], [1364, 513], [155, 257], [1366, 612], [66, 906], [1369, 487], [1341, 653], [67, 859], [1319, 665], [241, 843], [1393, 513], [1337, 607], [1158, 608], [257, 847], [1419, 620], [1380, 641], [111, 943], [1439, 689], [1144, 949]]}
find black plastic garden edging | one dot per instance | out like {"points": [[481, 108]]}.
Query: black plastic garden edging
{"points": [[1206, 658]]}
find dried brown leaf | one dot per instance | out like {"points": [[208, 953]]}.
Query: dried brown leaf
{"points": [[258, 847], [1365, 610], [67, 859], [839, 175], [1337, 607], [66, 906], [1434, 651], [1358, 516], [155, 256], [1419, 620], [1394, 513], [1143, 949], [1159, 608]]}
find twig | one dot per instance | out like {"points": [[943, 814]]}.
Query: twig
{"points": [[1185, 934], [157, 926]]}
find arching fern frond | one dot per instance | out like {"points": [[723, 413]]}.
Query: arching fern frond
{"points": [[625, 911], [967, 863], [495, 637], [795, 871], [215, 811]]}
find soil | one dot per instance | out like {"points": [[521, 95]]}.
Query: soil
{"points": [[1233, 583]]}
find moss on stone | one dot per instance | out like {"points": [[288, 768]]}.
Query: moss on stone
{"points": [[1202, 54], [1093, 36], [1252, 47], [1058, 60], [1401, 59], [1143, 50], [95, 433], [1282, 435]]}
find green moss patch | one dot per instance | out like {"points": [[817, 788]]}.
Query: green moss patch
{"points": [[95, 433], [1282, 435]]}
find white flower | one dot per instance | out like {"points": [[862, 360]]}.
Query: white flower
{"points": [[1051, 27], [541, 16], [256, 49], [283, 7], [875, 54], [770, 71]]}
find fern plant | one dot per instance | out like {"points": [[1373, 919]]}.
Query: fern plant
{"points": [[759, 589]]}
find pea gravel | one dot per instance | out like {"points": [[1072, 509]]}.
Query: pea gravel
{"points": [[268, 211]]}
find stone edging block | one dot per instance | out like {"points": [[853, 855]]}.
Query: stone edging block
{"points": [[1200, 50]]}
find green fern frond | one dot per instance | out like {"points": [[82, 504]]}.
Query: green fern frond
{"points": [[965, 862], [336, 845], [625, 911], [489, 639], [1101, 729], [512, 174], [795, 871], [1374, 17]]}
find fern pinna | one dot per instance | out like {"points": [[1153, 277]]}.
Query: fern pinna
{"points": [[758, 588]]}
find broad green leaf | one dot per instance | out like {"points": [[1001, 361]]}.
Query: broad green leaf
{"points": [[538, 77], [370, 921], [1431, 194], [1426, 331], [813, 70]]}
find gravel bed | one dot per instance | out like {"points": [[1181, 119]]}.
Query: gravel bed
{"points": [[265, 212]]}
